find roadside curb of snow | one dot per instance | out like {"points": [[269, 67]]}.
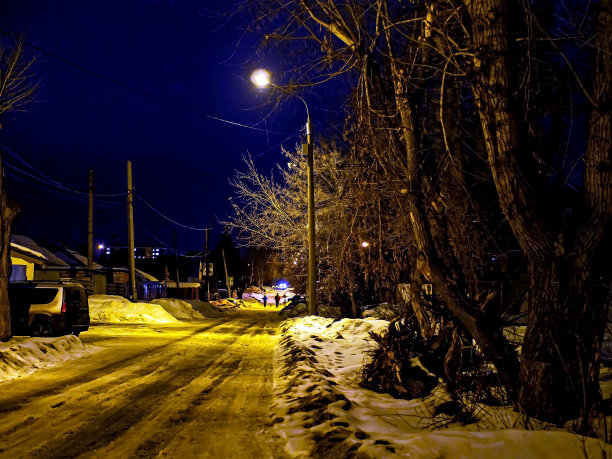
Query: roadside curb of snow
{"points": [[309, 412], [33, 354]]}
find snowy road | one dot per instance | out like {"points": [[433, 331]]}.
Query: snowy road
{"points": [[199, 389]]}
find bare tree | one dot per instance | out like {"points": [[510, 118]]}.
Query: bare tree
{"points": [[17, 90], [450, 100]]}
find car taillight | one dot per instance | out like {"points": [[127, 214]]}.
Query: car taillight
{"points": [[63, 307]]}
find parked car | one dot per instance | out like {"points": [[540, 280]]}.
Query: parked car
{"points": [[48, 308]]}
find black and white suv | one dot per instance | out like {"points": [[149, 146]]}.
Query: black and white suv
{"points": [[48, 308]]}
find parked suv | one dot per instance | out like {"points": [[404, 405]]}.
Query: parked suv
{"points": [[48, 308]]}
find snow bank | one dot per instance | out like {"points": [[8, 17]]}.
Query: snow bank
{"points": [[321, 410], [22, 358], [116, 309], [178, 308]]}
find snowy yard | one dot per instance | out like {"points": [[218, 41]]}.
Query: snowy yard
{"points": [[313, 402]]}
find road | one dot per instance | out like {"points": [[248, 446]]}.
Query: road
{"points": [[197, 389]]}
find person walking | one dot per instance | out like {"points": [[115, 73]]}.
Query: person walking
{"points": [[277, 299], [265, 299]]}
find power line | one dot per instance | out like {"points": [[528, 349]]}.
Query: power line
{"points": [[154, 236], [127, 87], [48, 180], [168, 218], [57, 187]]}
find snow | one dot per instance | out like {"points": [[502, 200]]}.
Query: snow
{"points": [[21, 356], [319, 408], [116, 309], [25, 249], [178, 308]]}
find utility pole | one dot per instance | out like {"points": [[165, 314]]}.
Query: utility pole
{"points": [[176, 256], [90, 222], [206, 266], [130, 221], [312, 248], [227, 282]]}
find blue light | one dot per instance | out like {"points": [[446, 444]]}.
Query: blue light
{"points": [[282, 285]]}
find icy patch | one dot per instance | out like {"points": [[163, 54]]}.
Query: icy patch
{"points": [[116, 309], [321, 410], [23, 358]]}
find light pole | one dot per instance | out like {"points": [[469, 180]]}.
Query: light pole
{"points": [[261, 79]]}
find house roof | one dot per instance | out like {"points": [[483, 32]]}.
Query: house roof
{"points": [[24, 241], [147, 276], [72, 257], [26, 251]]}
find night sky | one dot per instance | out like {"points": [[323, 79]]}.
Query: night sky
{"points": [[93, 114]]}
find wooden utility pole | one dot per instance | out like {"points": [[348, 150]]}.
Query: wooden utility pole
{"points": [[312, 248], [206, 266], [90, 222], [227, 282], [176, 256], [130, 221]]}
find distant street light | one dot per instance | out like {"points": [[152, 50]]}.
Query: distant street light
{"points": [[365, 244], [262, 78]]}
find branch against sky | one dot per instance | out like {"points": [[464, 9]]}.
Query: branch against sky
{"points": [[17, 84]]}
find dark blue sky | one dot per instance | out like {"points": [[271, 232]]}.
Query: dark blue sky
{"points": [[182, 159]]}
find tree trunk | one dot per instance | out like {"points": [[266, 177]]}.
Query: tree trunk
{"points": [[8, 211], [559, 377], [567, 305], [488, 335]]}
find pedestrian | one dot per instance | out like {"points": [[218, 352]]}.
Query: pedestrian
{"points": [[277, 299], [265, 299]]}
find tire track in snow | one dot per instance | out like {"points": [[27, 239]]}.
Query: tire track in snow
{"points": [[42, 417], [12, 400], [113, 426]]}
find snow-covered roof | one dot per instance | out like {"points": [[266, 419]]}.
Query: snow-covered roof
{"points": [[28, 251], [147, 276], [78, 257], [25, 241]]}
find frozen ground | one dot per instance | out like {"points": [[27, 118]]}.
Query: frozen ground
{"points": [[190, 388], [321, 411], [181, 378]]}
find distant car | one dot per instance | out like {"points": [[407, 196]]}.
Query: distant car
{"points": [[295, 300], [48, 308]]}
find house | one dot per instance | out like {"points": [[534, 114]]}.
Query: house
{"points": [[34, 262], [23, 261]]}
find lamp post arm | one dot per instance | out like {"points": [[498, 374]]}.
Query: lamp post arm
{"points": [[308, 123]]}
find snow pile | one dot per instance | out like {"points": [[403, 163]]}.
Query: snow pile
{"points": [[321, 410], [22, 358], [178, 308], [386, 311], [116, 309]]}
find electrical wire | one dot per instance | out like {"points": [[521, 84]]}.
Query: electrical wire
{"points": [[127, 87], [67, 191], [247, 126], [154, 236], [49, 181], [168, 218]]}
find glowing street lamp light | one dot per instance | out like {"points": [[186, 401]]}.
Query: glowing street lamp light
{"points": [[262, 78], [365, 244]]}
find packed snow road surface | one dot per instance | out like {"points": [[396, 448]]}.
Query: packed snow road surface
{"points": [[198, 389]]}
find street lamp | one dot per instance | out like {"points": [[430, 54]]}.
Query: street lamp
{"points": [[262, 78]]}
